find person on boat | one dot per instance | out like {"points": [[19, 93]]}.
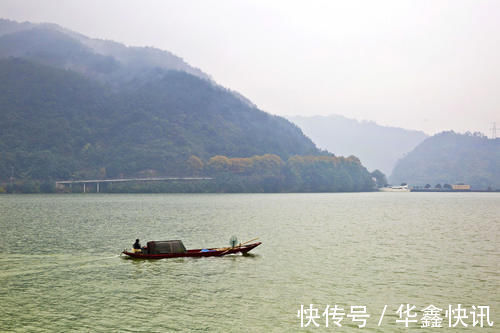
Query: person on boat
{"points": [[137, 246]]}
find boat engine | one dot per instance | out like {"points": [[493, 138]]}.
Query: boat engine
{"points": [[233, 241]]}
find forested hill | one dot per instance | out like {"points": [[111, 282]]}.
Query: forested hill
{"points": [[79, 108], [58, 124], [451, 158]]}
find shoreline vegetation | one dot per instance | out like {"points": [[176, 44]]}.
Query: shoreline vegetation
{"points": [[257, 174]]}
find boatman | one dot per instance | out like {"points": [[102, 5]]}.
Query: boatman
{"points": [[137, 246]]}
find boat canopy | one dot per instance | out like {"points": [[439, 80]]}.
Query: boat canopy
{"points": [[162, 247]]}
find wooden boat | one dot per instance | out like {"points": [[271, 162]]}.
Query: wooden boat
{"points": [[175, 249]]}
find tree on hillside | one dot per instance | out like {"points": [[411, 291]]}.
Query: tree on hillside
{"points": [[195, 165], [218, 164], [327, 174], [380, 178]]}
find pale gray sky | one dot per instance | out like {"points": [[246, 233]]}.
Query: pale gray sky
{"points": [[429, 65]]}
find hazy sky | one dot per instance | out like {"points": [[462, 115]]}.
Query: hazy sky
{"points": [[429, 65]]}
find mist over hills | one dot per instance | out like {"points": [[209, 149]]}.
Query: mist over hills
{"points": [[451, 158], [378, 147], [75, 107], [54, 45]]}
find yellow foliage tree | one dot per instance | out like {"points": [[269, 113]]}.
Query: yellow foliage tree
{"points": [[219, 163], [241, 165], [195, 165]]}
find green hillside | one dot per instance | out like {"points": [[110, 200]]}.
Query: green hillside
{"points": [[451, 158], [58, 124], [73, 107]]}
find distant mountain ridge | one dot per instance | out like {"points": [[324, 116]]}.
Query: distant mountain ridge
{"points": [[378, 147], [451, 158]]}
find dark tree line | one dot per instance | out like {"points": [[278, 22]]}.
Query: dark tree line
{"points": [[260, 173]]}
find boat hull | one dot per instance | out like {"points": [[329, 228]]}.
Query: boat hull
{"points": [[213, 252]]}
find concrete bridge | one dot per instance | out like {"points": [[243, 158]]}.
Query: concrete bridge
{"points": [[62, 183]]}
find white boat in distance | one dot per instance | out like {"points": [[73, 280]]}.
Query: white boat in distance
{"points": [[402, 188]]}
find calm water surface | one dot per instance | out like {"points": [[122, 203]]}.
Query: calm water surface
{"points": [[61, 270]]}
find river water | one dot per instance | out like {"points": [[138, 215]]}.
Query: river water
{"points": [[61, 270]]}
